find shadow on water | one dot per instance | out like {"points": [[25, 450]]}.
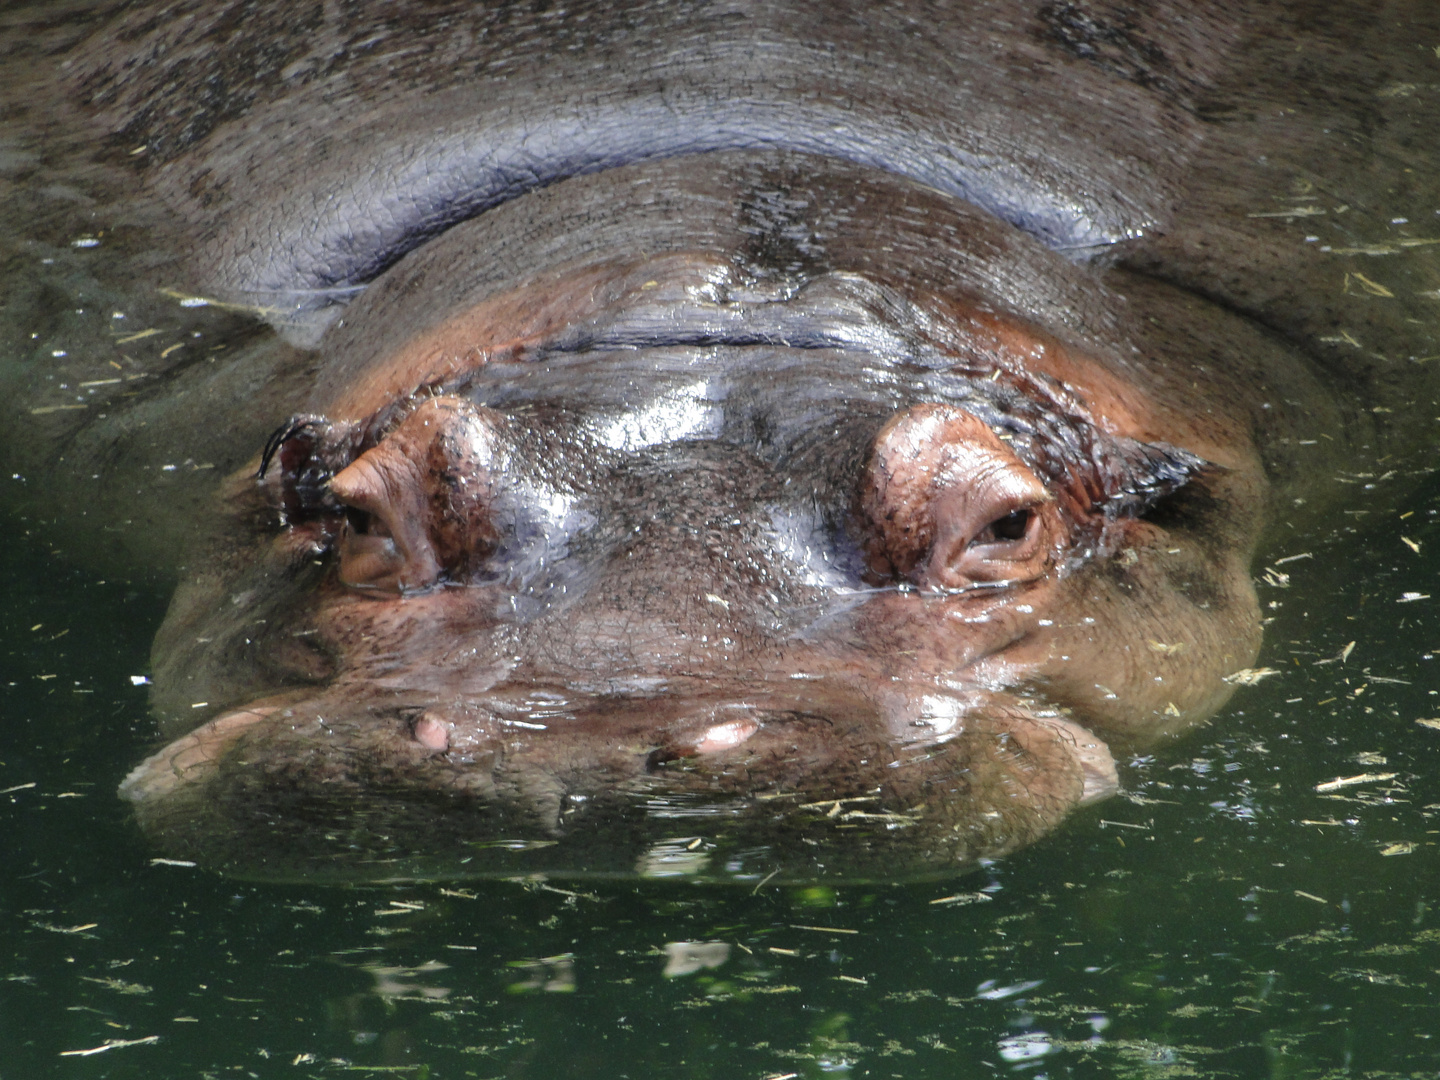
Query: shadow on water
{"points": [[1260, 902]]}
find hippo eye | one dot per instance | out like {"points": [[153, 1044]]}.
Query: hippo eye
{"points": [[951, 505], [1008, 547], [418, 505], [1013, 526], [386, 543]]}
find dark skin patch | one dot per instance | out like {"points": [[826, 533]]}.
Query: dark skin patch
{"points": [[783, 245]]}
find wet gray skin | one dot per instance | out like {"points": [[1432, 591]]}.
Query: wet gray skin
{"points": [[726, 447]]}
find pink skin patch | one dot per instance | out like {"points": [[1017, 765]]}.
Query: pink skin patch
{"points": [[724, 736], [430, 733]]}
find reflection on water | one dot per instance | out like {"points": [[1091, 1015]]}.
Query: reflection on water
{"points": [[1261, 902]]}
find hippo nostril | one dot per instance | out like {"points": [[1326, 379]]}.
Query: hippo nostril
{"points": [[727, 735], [385, 544], [950, 504], [710, 732], [431, 733]]}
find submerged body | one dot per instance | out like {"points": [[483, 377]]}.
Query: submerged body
{"points": [[701, 477]]}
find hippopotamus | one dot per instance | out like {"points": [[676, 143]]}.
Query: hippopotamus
{"points": [[736, 440]]}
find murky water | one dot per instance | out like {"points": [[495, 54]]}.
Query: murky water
{"points": [[1262, 901]]}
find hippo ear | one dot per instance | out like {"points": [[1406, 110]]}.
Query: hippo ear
{"points": [[298, 461], [1134, 476]]}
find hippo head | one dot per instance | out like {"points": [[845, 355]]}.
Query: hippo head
{"points": [[665, 560]]}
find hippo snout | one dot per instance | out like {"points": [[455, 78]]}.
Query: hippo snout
{"points": [[528, 776]]}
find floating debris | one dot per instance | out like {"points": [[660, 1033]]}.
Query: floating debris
{"points": [[891, 820], [1250, 676], [829, 805], [1401, 847], [402, 906], [1373, 288], [512, 845], [110, 1044], [45, 410], [1351, 781], [1424, 721], [1297, 212], [1411, 597], [688, 957], [66, 929], [119, 985], [965, 898], [190, 300]]}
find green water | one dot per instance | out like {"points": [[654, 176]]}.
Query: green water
{"points": [[1223, 918]]}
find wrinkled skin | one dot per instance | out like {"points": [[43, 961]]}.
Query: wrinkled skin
{"points": [[735, 468]]}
